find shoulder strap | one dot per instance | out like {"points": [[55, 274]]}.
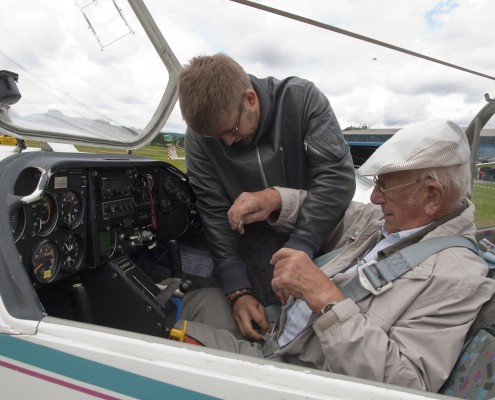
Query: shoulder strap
{"points": [[375, 277], [324, 258]]}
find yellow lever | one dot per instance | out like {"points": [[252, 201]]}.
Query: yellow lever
{"points": [[179, 334]]}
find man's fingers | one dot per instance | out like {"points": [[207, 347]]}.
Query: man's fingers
{"points": [[233, 220], [284, 252], [260, 322], [240, 227], [247, 329], [246, 310], [283, 296], [252, 333]]}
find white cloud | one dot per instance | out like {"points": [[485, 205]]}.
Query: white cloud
{"points": [[365, 83]]}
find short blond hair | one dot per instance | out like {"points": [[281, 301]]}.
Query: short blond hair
{"points": [[210, 88]]}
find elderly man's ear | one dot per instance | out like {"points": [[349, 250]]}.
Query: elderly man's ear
{"points": [[435, 199]]}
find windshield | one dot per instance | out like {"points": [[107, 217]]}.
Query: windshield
{"points": [[81, 72], [90, 73], [89, 59]]}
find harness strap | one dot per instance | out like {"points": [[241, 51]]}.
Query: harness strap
{"points": [[376, 277]]}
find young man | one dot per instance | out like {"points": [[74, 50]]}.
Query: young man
{"points": [[246, 134], [411, 334]]}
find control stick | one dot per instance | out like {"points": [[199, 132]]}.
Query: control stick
{"points": [[175, 260]]}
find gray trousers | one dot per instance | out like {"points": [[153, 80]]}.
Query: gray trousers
{"points": [[210, 322]]}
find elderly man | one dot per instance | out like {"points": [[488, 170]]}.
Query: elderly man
{"points": [[408, 334]]}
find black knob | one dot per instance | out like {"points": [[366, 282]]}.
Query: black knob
{"points": [[185, 286]]}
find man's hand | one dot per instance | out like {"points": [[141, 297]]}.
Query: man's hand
{"points": [[245, 309], [295, 274], [251, 207]]}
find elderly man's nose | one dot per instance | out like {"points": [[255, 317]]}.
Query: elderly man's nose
{"points": [[377, 197]]}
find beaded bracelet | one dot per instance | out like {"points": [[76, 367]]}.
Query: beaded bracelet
{"points": [[232, 297]]}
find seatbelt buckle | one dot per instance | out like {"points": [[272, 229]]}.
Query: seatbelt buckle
{"points": [[269, 346], [364, 271]]}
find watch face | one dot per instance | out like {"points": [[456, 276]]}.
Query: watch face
{"points": [[326, 308]]}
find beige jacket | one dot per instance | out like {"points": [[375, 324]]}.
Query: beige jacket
{"points": [[411, 335]]}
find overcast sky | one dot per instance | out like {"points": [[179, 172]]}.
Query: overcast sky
{"points": [[365, 83]]}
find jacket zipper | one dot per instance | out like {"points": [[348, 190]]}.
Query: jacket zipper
{"points": [[263, 176], [283, 165], [307, 146]]}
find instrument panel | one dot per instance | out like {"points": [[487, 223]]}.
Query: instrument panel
{"points": [[50, 232], [84, 217]]}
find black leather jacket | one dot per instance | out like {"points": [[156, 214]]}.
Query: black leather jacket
{"points": [[299, 145]]}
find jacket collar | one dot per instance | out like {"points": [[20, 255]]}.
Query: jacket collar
{"points": [[267, 106]]}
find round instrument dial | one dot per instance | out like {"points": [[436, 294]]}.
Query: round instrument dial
{"points": [[182, 196], [44, 215], [72, 208], [17, 222], [170, 185], [72, 253], [45, 262], [166, 204]]}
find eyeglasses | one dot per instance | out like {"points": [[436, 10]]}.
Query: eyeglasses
{"points": [[235, 130], [385, 191]]}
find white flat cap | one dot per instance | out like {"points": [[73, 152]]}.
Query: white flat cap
{"points": [[422, 145]]}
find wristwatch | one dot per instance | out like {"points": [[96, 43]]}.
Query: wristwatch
{"points": [[326, 308]]}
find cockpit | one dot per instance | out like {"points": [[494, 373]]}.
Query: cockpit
{"points": [[94, 241], [97, 236]]}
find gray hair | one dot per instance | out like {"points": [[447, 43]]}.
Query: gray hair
{"points": [[455, 179]]}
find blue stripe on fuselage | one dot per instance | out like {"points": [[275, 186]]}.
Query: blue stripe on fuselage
{"points": [[91, 372]]}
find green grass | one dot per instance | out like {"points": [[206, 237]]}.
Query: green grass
{"points": [[154, 152], [483, 192], [484, 199]]}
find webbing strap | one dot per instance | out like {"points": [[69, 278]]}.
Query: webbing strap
{"points": [[323, 259], [375, 277]]}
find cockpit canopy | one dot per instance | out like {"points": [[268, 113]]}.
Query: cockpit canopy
{"points": [[76, 84]]}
